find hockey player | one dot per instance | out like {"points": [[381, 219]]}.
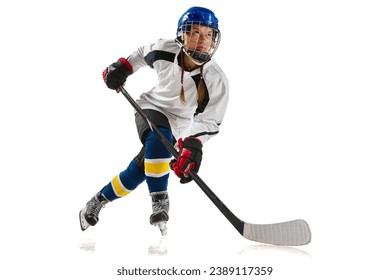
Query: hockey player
{"points": [[187, 105]]}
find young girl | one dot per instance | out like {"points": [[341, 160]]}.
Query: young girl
{"points": [[187, 105]]}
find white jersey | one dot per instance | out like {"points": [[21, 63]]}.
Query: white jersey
{"points": [[188, 119]]}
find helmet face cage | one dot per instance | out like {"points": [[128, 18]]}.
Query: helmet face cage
{"points": [[198, 34]]}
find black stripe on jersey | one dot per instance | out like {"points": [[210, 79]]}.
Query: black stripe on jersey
{"points": [[202, 105], [204, 133], [153, 56]]}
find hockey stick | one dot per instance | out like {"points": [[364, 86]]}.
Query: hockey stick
{"points": [[290, 233]]}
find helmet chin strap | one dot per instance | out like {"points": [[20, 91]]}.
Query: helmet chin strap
{"points": [[204, 57], [191, 56], [194, 60]]}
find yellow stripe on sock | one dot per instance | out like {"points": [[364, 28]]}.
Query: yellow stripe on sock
{"points": [[157, 167], [119, 189]]}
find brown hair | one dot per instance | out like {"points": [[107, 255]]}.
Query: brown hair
{"points": [[201, 85]]}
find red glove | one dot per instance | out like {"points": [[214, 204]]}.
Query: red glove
{"points": [[116, 74], [190, 157]]}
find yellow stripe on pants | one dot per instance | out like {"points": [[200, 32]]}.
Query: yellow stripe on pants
{"points": [[118, 187], [157, 167]]}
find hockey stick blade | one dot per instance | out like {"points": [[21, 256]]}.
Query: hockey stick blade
{"points": [[291, 233]]}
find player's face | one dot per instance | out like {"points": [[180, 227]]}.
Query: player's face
{"points": [[199, 38]]}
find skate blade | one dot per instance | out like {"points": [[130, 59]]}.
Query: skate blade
{"points": [[163, 227], [83, 223]]}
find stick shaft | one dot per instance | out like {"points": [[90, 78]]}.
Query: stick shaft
{"points": [[236, 222]]}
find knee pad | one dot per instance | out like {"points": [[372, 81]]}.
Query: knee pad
{"points": [[157, 159]]}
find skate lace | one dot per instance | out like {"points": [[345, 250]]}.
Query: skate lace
{"points": [[162, 204], [94, 207]]}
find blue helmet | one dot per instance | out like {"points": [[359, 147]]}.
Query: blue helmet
{"points": [[198, 16]]}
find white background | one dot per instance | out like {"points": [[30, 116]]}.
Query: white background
{"points": [[306, 136]]}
